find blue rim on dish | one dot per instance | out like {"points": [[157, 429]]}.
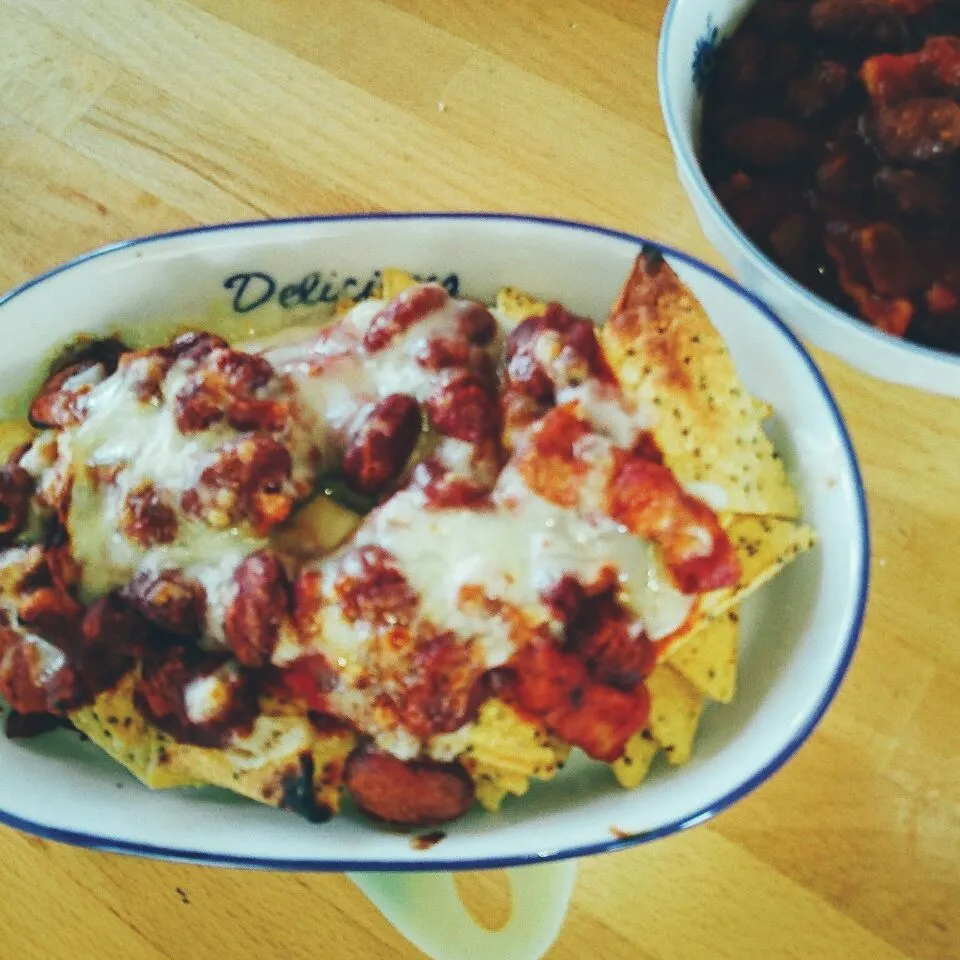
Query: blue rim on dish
{"points": [[707, 812], [770, 269]]}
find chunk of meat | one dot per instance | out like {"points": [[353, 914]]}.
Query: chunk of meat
{"points": [[846, 248], [416, 793], [646, 498], [615, 650], [196, 697], [555, 687], [379, 448], [916, 131], [34, 678], [878, 22], [932, 71], [919, 193]]}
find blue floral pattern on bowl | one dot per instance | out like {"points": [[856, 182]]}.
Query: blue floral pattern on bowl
{"points": [[705, 55]]}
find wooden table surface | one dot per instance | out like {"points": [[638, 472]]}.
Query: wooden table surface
{"points": [[124, 117]]}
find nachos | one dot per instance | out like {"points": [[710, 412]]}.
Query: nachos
{"points": [[417, 554]]}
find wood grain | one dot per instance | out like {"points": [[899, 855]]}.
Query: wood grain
{"points": [[122, 117]]}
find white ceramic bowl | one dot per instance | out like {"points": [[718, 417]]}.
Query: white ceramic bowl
{"points": [[798, 634], [691, 31]]}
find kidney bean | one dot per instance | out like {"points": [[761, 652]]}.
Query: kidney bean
{"points": [[887, 259], [416, 793], [146, 518], [248, 480], [57, 404], [810, 93], [464, 406], [405, 310], [259, 609], [196, 346], [114, 637], [768, 142], [16, 489], [379, 449], [170, 600], [859, 21], [918, 193], [476, 324]]}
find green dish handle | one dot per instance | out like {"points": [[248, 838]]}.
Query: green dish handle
{"points": [[427, 910]]}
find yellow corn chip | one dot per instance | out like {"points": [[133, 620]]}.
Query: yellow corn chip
{"points": [[709, 658], [342, 306], [317, 528], [675, 707], [13, 434], [394, 282], [668, 355], [114, 724], [764, 545], [281, 759], [505, 751], [632, 768], [516, 305]]}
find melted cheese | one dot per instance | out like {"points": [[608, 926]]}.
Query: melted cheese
{"points": [[205, 698], [514, 552], [339, 379], [137, 443]]}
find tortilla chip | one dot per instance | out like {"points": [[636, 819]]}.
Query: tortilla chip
{"points": [[113, 724], [283, 762], [505, 751], [394, 282], [317, 528], [761, 409], [342, 306], [668, 356], [13, 434], [709, 658], [764, 545], [516, 305], [632, 768], [675, 708]]}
